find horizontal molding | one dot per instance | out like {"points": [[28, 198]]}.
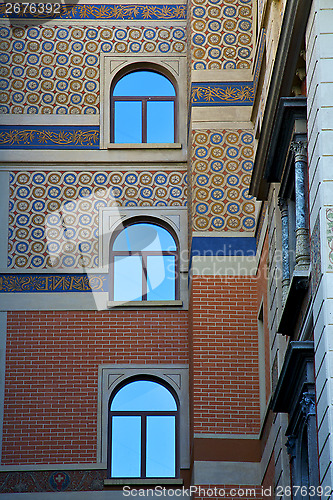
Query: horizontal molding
{"points": [[213, 449], [44, 137], [238, 473], [224, 266], [209, 435], [142, 12]]}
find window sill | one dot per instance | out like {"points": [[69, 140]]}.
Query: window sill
{"points": [[148, 145], [144, 482], [144, 303]]}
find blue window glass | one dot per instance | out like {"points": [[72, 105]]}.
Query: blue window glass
{"points": [[144, 236], [128, 121], [143, 105], [143, 417], [141, 83], [161, 435], [126, 446], [143, 395], [160, 121]]}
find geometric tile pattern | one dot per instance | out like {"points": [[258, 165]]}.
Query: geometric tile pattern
{"points": [[53, 216], [55, 69], [222, 34], [222, 162]]}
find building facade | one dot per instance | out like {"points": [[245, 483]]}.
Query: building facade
{"points": [[166, 249]]}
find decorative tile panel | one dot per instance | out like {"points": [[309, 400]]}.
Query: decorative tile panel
{"points": [[53, 216], [222, 162], [55, 69], [99, 11], [30, 283], [222, 34], [21, 137], [222, 94], [38, 481]]}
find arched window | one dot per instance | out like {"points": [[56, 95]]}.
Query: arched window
{"points": [[143, 108], [144, 263], [143, 431]]}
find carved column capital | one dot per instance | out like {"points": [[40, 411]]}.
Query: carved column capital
{"points": [[308, 405], [283, 206], [299, 148], [291, 446]]}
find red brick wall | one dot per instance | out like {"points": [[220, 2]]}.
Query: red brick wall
{"points": [[51, 374], [225, 355]]}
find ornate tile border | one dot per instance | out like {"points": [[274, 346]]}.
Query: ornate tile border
{"points": [[103, 11], [222, 94], [21, 137], [53, 481], [32, 283]]}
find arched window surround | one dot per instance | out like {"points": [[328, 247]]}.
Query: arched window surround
{"points": [[111, 376], [144, 255], [144, 99], [143, 416]]}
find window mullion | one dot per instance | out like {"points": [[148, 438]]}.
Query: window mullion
{"points": [[144, 276], [143, 445], [144, 120]]}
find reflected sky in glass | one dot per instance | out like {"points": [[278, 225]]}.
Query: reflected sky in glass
{"points": [[161, 277], [148, 237], [128, 122], [143, 395], [161, 452], [160, 121], [127, 277], [126, 446], [144, 83]]}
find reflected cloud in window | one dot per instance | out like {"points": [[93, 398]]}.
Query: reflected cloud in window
{"points": [[144, 264]]}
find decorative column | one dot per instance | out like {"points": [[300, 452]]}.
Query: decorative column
{"points": [[299, 147], [285, 248], [291, 449], [309, 411]]}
